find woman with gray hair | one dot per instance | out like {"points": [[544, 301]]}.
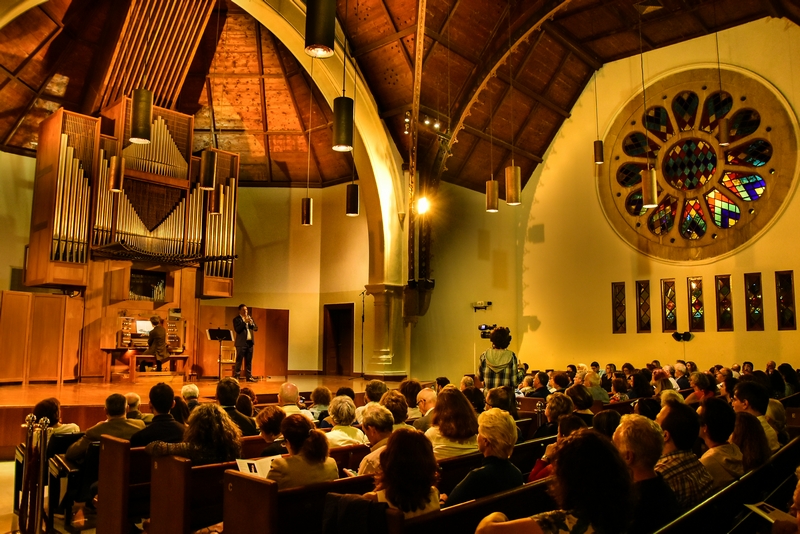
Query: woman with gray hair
{"points": [[342, 410], [497, 434]]}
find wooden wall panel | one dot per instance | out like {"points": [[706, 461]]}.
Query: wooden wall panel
{"points": [[15, 310], [189, 305], [73, 332], [207, 351], [47, 337], [276, 342]]}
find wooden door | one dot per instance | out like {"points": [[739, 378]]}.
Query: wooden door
{"points": [[271, 351], [15, 312], [337, 339], [47, 337]]}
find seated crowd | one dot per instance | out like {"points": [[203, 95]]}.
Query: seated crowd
{"points": [[691, 434]]}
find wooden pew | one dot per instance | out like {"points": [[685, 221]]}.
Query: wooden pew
{"points": [[123, 485], [623, 408], [524, 428], [517, 503], [526, 454], [529, 404], [252, 446], [184, 498], [254, 504], [348, 457]]}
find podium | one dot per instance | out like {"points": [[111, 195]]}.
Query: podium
{"points": [[220, 334]]}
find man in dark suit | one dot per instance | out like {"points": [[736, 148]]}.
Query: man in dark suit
{"points": [[164, 427], [116, 425], [244, 326], [426, 402], [157, 342], [227, 393], [540, 390]]}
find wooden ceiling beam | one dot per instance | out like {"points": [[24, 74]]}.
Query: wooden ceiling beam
{"points": [[628, 22], [442, 40], [232, 76], [419, 49], [536, 96], [263, 97], [210, 96], [388, 16], [251, 131], [565, 39], [380, 43], [517, 150], [442, 28]]}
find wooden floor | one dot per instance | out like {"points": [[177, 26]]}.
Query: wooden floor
{"points": [[95, 394]]}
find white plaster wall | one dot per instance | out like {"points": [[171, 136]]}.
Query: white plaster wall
{"points": [[571, 255], [16, 199]]}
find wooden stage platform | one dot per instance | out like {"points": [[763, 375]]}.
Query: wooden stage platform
{"points": [[83, 403]]}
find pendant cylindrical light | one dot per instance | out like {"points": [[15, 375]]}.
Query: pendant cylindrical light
{"points": [[724, 132], [116, 172], [141, 116], [208, 170], [306, 210], [320, 27], [343, 124], [650, 189], [352, 200], [598, 152], [513, 181], [492, 195]]}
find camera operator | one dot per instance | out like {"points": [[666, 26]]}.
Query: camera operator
{"points": [[499, 366]]}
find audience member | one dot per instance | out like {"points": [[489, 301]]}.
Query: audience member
{"points": [[191, 393], [681, 376], [790, 526], [476, 398], [567, 424], [592, 383], [561, 382], [395, 402], [751, 397], [749, 436], [321, 398], [244, 405], [726, 389], [790, 377], [269, 421], [466, 382], [558, 404], [410, 389], [571, 372], [498, 365], [455, 425], [426, 402], [116, 424], [540, 381], [211, 437], [628, 369], [378, 426], [608, 377], [722, 459], [288, 395], [441, 382], [640, 387], [227, 394], [373, 392], [579, 376], [583, 402], [308, 461], [691, 367], [770, 367], [679, 466], [777, 385], [163, 427], [671, 394], [582, 507], [747, 368], [497, 434], [776, 417], [51, 409], [407, 481], [132, 411], [527, 386], [670, 370], [647, 407], [661, 382], [640, 442], [180, 410], [253, 399], [343, 413], [702, 388], [503, 398], [606, 422], [346, 391], [619, 390]]}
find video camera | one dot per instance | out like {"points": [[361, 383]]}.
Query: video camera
{"points": [[486, 330]]}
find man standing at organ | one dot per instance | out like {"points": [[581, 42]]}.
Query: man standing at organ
{"points": [[157, 342], [244, 326]]}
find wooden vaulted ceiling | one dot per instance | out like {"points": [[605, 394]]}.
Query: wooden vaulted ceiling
{"points": [[498, 76]]}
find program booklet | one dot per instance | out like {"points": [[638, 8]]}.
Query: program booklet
{"points": [[258, 466], [771, 513]]}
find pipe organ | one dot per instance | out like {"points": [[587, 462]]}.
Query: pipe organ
{"points": [[158, 216]]}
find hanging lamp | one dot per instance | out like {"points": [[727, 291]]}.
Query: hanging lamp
{"points": [[320, 27], [649, 178], [723, 128], [142, 104], [306, 205], [492, 195], [116, 173], [599, 157], [513, 172], [343, 109]]}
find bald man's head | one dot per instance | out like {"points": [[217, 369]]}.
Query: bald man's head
{"points": [[288, 393], [132, 400]]}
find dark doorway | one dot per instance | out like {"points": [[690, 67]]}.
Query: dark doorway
{"points": [[337, 339]]}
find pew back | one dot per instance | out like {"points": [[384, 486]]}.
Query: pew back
{"points": [[252, 446], [123, 483]]}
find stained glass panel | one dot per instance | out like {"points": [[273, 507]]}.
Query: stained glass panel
{"points": [[697, 317], [723, 211], [618, 308], [784, 290], [716, 107], [754, 303], [745, 186], [657, 122], [743, 123], [643, 317], [690, 164], [757, 154], [669, 315], [693, 224], [663, 218], [724, 303], [634, 204], [637, 144], [630, 174], [684, 106]]}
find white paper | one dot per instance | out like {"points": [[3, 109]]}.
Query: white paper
{"points": [[771, 513], [257, 466]]}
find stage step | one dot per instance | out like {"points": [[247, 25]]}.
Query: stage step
{"points": [[152, 377]]}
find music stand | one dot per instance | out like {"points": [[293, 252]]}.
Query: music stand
{"points": [[219, 334]]}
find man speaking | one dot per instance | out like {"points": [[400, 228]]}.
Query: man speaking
{"points": [[244, 326]]}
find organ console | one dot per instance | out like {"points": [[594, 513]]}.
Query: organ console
{"points": [[132, 334]]}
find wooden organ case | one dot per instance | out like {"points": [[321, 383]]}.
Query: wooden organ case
{"points": [[154, 247]]}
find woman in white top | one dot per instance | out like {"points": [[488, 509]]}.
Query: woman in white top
{"points": [[408, 474], [343, 412], [51, 409], [454, 429]]}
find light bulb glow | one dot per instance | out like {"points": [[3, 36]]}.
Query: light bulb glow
{"points": [[423, 205]]}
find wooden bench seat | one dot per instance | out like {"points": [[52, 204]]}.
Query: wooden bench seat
{"points": [[348, 457], [123, 485]]}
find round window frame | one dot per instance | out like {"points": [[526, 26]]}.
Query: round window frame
{"points": [[717, 243]]}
